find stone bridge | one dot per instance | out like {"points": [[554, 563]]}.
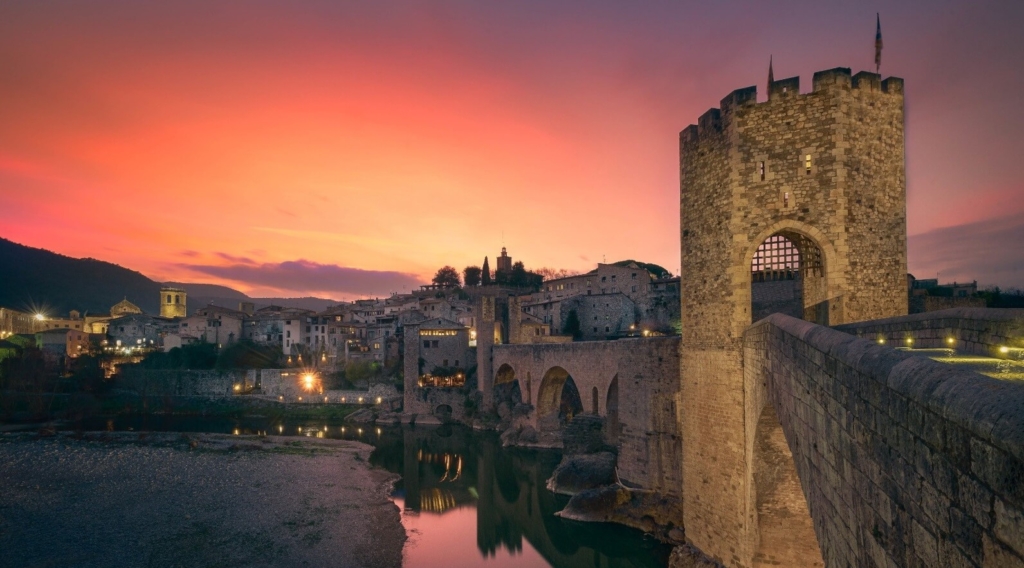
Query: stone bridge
{"points": [[631, 382], [858, 454]]}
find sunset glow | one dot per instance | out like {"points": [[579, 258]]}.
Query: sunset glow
{"points": [[350, 149]]}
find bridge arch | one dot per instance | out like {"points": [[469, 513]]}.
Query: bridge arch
{"points": [[443, 412], [507, 386], [784, 532], [558, 396], [505, 374], [611, 408]]}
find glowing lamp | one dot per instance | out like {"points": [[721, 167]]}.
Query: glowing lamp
{"points": [[950, 340], [1004, 349], [40, 317]]}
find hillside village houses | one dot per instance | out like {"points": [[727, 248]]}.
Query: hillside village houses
{"points": [[610, 301]]}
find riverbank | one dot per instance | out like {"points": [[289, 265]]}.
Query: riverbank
{"points": [[71, 407], [151, 499]]}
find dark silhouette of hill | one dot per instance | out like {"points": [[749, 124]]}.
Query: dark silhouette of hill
{"points": [[37, 279], [33, 279], [209, 291]]}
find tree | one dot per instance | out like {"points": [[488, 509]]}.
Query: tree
{"points": [[486, 277], [471, 275], [519, 274], [553, 273], [447, 276], [572, 325]]}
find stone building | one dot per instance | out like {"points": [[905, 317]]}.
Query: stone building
{"points": [[504, 263], [13, 322], [805, 186], [172, 302], [124, 308], [601, 316], [139, 330]]}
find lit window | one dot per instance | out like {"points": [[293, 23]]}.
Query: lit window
{"points": [[807, 163], [785, 200], [760, 169]]}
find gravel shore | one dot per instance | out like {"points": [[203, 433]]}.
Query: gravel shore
{"points": [[141, 499]]}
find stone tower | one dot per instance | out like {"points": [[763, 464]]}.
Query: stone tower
{"points": [[172, 303], [504, 262], [818, 179]]}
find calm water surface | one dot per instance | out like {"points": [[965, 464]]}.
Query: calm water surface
{"points": [[465, 501]]}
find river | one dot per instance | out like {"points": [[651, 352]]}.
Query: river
{"points": [[465, 500]]}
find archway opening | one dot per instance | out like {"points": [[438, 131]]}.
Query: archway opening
{"points": [[505, 374], [506, 387], [443, 412], [611, 408], [558, 397], [785, 529], [508, 393], [787, 276]]}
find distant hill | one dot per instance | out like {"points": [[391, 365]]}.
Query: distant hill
{"points": [[208, 291], [315, 304], [37, 279]]}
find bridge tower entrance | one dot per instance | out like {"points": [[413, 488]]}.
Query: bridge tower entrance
{"points": [[803, 194]]}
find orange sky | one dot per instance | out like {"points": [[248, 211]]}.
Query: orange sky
{"points": [[228, 141]]}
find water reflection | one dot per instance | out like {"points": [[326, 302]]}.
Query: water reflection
{"points": [[465, 500]]}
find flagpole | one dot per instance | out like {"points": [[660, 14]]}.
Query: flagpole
{"points": [[878, 43]]}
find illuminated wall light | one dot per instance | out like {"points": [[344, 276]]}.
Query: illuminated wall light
{"points": [[1004, 349], [950, 340], [881, 341], [910, 341]]}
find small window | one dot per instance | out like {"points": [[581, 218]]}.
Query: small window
{"points": [[807, 163], [168, 298], [760, 169], [785, 199], [433, 343], [445, 363], [426, 344], [606, 329]]}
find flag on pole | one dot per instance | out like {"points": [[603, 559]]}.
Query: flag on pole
{"points": [[878, 42], [771, 75]]}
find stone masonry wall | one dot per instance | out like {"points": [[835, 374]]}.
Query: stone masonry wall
{"points": [[980, 331], [150, 382], [904, 461]]}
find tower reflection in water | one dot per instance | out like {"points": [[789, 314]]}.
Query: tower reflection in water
{"points": [[447, 472]]}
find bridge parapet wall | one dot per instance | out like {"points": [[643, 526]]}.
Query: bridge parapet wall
{"points": [[903, 461], [980, 331]]}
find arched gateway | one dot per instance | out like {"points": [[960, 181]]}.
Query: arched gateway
{"points": [[796, 204]]}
